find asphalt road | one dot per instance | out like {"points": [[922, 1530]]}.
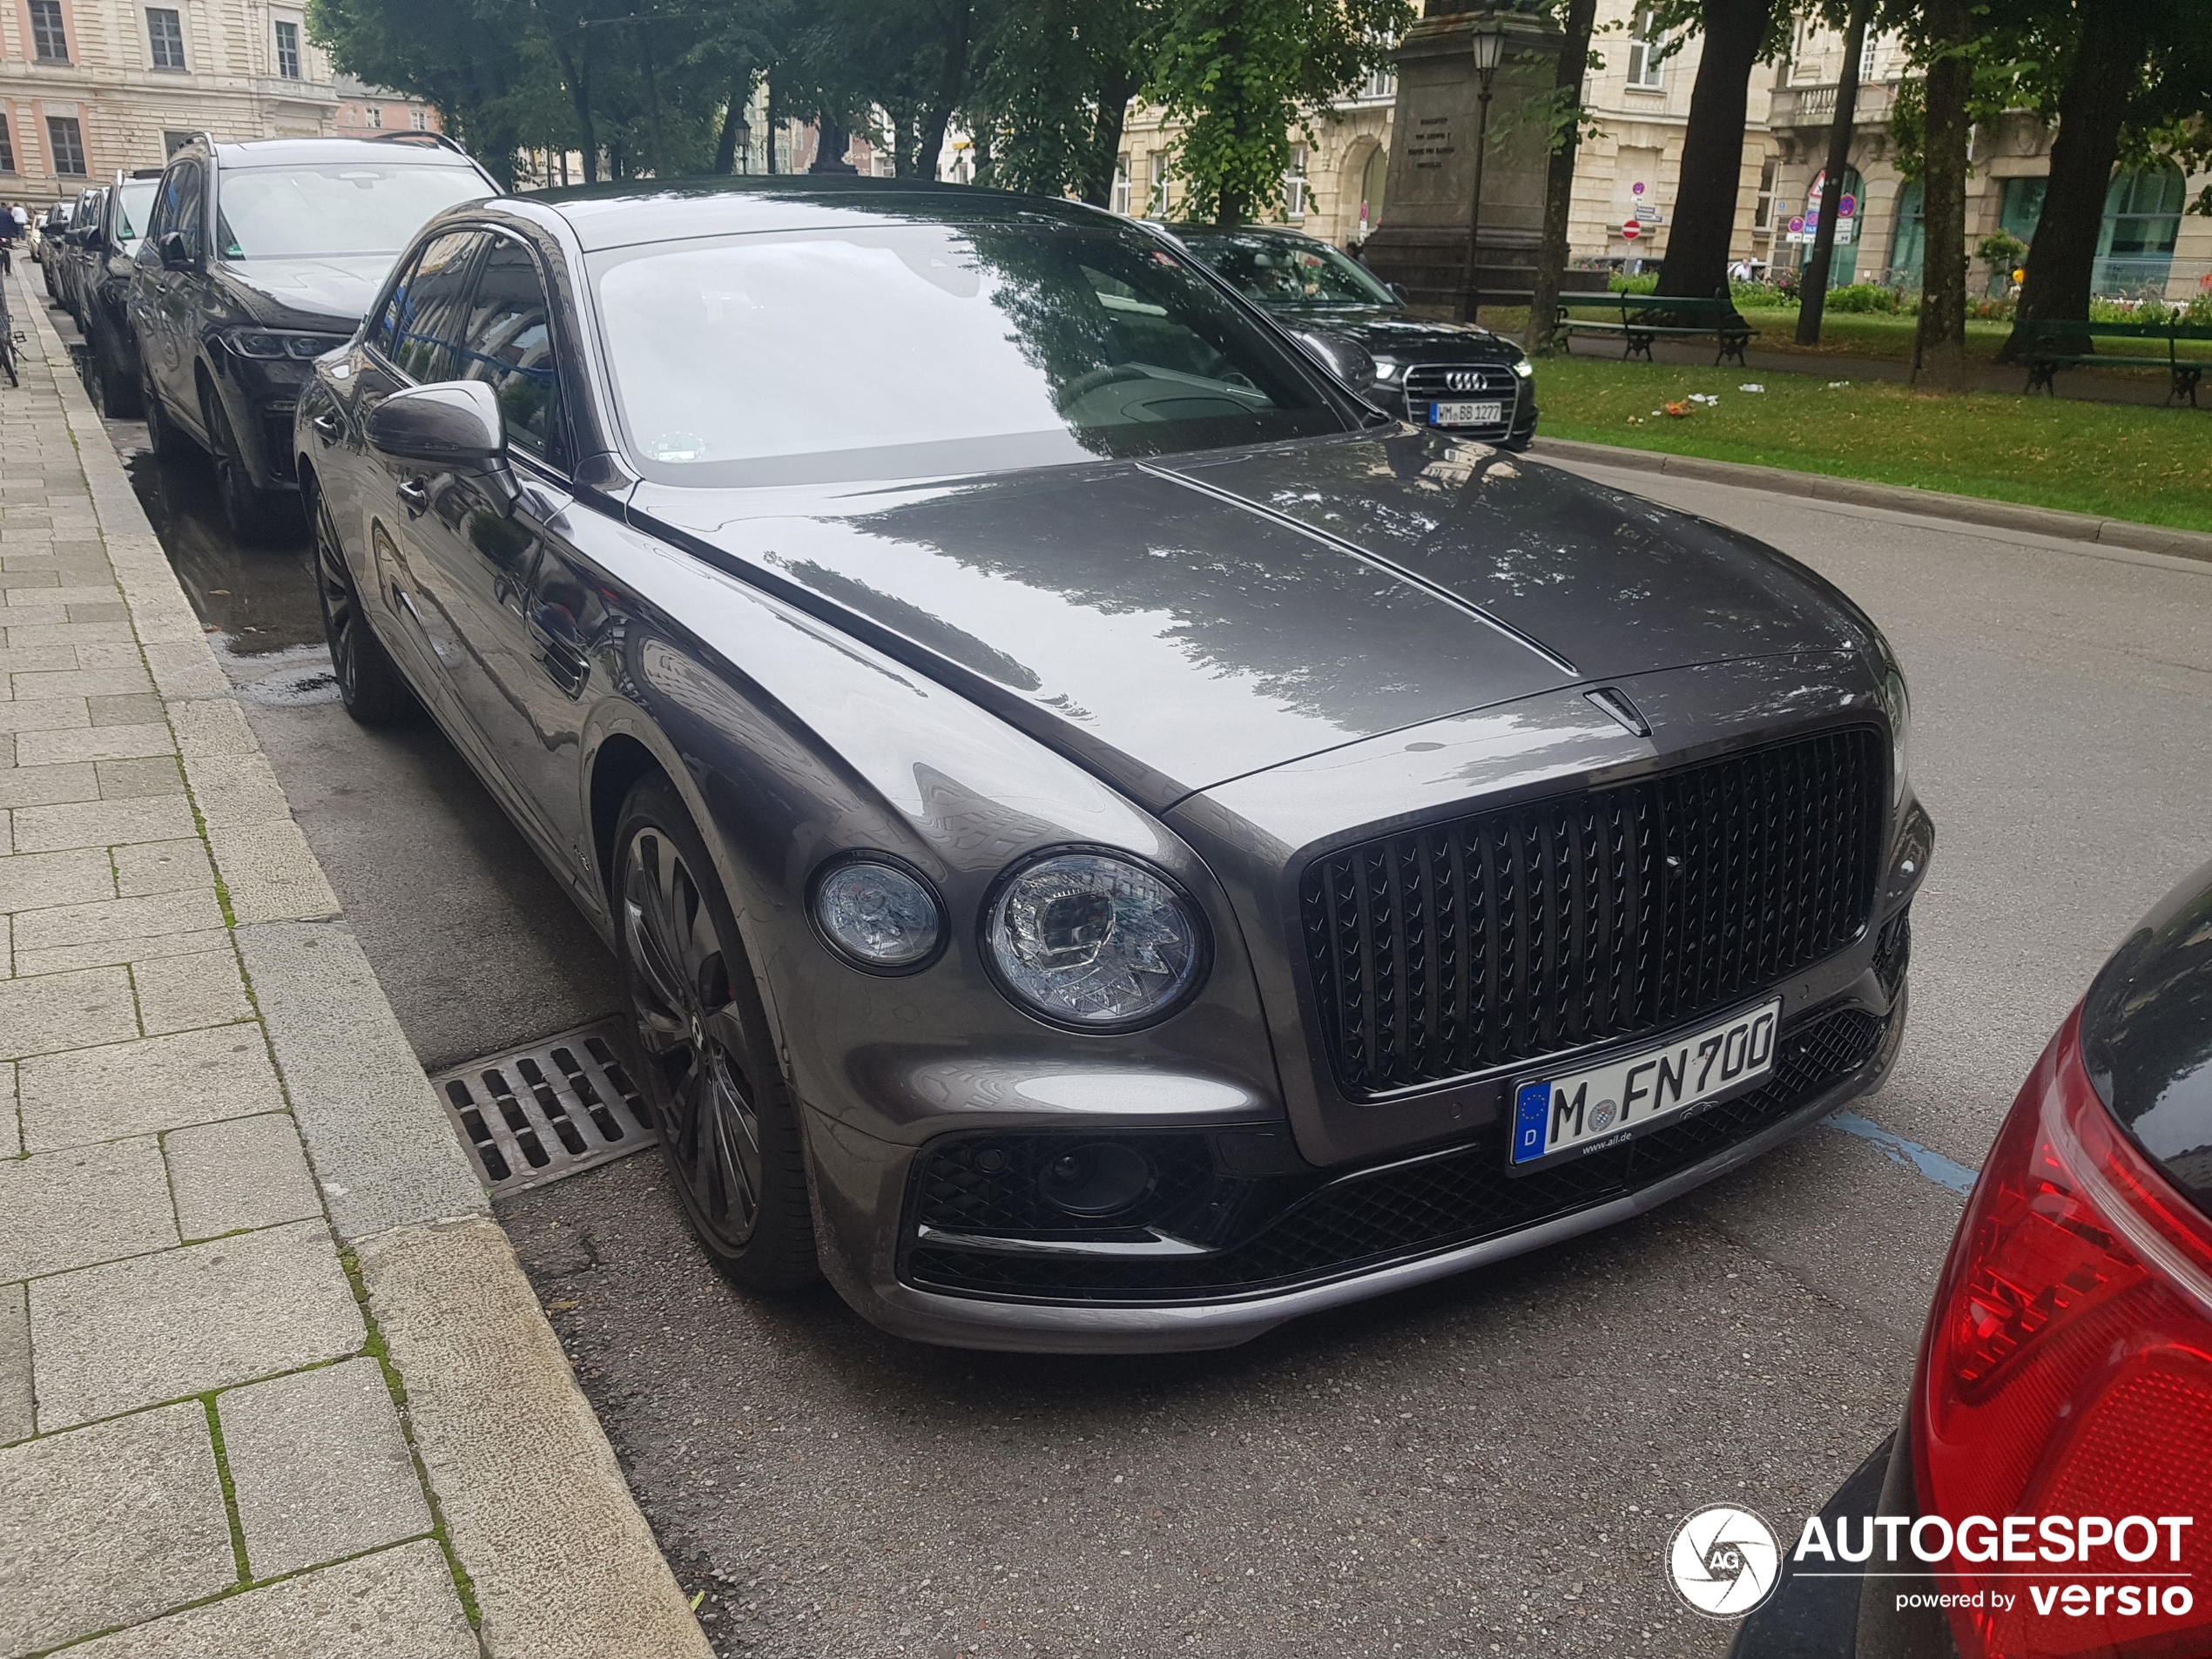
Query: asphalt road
{"points": [[1489, 1465]]}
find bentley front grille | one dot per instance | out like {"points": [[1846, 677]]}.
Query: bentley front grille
{"points": [[1533, 930]]}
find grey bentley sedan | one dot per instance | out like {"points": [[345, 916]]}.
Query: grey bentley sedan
{"points": [[1112, 842]]}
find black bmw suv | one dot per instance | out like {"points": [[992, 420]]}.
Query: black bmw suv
{"points": [[1450, 376], [259, 257]]}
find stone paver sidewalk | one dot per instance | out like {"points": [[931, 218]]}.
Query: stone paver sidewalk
{"points": [[269, 1380]]}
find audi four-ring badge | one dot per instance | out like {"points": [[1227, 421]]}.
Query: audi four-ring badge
{"points": [[1111, 841]]}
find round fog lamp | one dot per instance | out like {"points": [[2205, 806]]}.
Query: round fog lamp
{"points": [[878, 916], [1097, 1178]]}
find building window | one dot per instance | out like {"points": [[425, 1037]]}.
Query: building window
{"points": [[67, 145], [1647, 42], [1120, 183], [1763, 211], [48, 41], [1294, 186], [2143, 220], [166, 35], [1868, 56], [419, 119], [1156, 185], [287, 45], [373, 115], [7, 144], [173, 141], [1382, 79]]}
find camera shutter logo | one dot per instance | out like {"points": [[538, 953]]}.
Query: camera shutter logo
{"points": [[1725, 1561]]}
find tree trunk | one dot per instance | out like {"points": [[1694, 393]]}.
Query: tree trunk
{"points": [[774, 116], [2107, 63], [725, 146], [1813, 293], [578, 75], [652, 106], [952, 85], [1097, 182], [1712, 149], [830, 143], [1559, 181], [1940, 347]]}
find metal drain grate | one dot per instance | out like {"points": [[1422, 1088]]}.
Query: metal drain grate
{"points": [[535, 1114]]}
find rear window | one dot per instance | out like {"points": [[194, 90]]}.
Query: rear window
{"points": [[343, 209], [131, 209], [908, 350]]}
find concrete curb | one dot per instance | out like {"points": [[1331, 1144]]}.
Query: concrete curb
{"points": [[1813, 486], [536, 1510]]}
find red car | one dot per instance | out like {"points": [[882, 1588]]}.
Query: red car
{"points": [[2050, 1490]]}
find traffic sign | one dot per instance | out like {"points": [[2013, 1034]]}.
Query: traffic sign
{"points": [[1631, 230]]}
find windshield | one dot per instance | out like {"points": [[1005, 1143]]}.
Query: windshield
{"points": [[348, 208], [909, 350], [134, 200], [1290, 271]]}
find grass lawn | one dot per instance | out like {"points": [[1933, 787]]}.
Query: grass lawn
{"points": [[2153, 466], [1843, 333]]}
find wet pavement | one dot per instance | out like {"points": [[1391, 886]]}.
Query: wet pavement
{"points": [[1493, 1465]]}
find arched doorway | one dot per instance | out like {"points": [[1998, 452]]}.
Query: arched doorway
{"points": [[1909, 236], [1365, 174]]}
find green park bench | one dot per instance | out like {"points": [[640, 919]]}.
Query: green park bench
{"points": [[2049, 347], [1644, 318]]}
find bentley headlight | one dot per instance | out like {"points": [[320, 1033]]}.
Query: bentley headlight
{"points": [[878, 915], [1093, 941]]}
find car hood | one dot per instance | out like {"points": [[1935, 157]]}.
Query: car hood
{"points": [[1398, 334], [306, 293], [1174, 625]]}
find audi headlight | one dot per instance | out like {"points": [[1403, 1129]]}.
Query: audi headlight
{"points": [[1523, 368], [1093, 941], [1386, 368], [878, 915]]}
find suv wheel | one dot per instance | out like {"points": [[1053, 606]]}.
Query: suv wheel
{"points": [[116, 392], [727, 1125], [169, 445], [250, 514]]}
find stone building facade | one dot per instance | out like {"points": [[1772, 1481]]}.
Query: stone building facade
{"points": [[87, 87], [365, 110]]}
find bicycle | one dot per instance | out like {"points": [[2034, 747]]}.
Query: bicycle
{"points": [[7, 324]]}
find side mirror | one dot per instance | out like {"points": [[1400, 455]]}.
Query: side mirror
{"points": [[175, 256], [455, 425], [1346, 359], [1404, 297]]}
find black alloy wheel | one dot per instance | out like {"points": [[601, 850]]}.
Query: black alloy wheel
{"points": [[115, 392], [369, 682], [169, 445], [727, 1127], [247, 506]]}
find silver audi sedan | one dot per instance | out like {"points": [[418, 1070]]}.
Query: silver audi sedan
{"points": [[1112, 842]]}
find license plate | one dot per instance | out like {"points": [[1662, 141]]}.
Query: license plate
{"points": [[1465, 413], [1556, 1118]]}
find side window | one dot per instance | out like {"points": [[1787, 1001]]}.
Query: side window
{"points": [[190, 207], [432, 308], [383, 339], [509, 347]]}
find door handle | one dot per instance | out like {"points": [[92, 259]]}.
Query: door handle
{"points": [[326, 424], [416, 495]]}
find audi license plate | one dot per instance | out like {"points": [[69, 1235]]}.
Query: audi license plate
{"points": [[1465, 413], [1556, 1118]]}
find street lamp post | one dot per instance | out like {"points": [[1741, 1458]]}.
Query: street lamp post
{"points": [[1489, 47]]}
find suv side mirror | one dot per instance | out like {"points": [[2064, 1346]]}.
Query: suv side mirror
{"points": [[175, 256], [1404, 297], [1346, 359], [454, 425]]}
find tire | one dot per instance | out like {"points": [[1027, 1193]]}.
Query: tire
{"points": [[369, 682], [247, 508], [116, 392], [728, 1129], [170, 446]]}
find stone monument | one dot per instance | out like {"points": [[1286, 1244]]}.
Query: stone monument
{"points": [[1422, 242]]}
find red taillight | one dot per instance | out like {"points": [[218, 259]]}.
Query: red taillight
{"points": [[2067, 1371]]}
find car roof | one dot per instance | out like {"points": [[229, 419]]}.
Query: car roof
{"points": [[404, 149], [609, 216]]}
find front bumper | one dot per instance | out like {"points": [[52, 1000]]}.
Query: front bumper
{"points": [[1403, 1221], [261, 396]]}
